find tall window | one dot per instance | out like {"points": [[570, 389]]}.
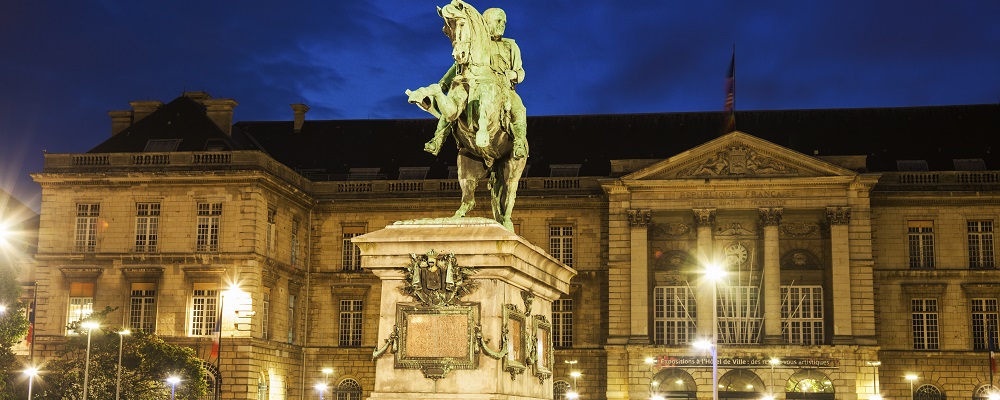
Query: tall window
{"points": [[271, 230], [81, 301], [559, 389], [147, 227], [981, 244], [739, 314], [920, 237], [674, 313], [350, 323], [86, 226], [265, 315], [985, 323], [349, 389], [142, 307], [209, 218], [924, 314], [352, 253], [562, 323], [561, 243], [291, 318], [802, 314], [295, 241], [204, 309]]}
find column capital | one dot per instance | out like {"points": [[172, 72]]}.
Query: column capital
{"points": [[639, 218], [770, 216], [838, 215], [704, 217]]}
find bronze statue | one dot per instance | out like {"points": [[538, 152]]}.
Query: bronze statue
{"points": [[480, 108]]}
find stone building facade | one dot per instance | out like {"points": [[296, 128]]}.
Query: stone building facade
{"points": [[841, 278]]}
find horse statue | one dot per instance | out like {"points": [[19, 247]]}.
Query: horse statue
{"points": [[477, 108]]}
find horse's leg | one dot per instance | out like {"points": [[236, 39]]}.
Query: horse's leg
{"points": [[470, 171], [488, 113], [510, 171]]}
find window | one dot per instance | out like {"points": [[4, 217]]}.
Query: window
{"points": [[925, 323], [561, 244], [413, 173], [291, 318], [559, 389], [204, 309], [802, 314], [564, 170], [86, 226], [209, 216], [912, 165], [739, 314], [349, 389], [921, 240], [81, 301], [984, 323], [161, 145], [147, 226], [350, 323], [674, 313], [265, 315], [981, 244], [295, 241], [271, 230], [969, 164], [984, 392], [562, 323], [142, 307], [352, 253]]}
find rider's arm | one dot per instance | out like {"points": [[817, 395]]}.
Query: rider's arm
{"points": [[515, 60], [448, 76]]}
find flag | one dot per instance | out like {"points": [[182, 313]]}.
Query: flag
{"points": [[730, 106], [216, 336], [31, 325]]}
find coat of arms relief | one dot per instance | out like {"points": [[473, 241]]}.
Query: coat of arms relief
{"points": [[737, 159]]}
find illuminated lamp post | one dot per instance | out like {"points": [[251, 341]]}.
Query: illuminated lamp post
{"points": [[31, 373], [713, 273], [911, 378], [874, 365], [320, 387], [173, 380], [86, 364], [118, 379]]}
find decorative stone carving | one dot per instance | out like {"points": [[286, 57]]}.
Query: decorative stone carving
{"points": [[437, 280], [704, 217], [838, 215], [737, 229], [669, 231], [639, 218], [738, 159], [770, 216], [799, 259], [672, 260], [798, 229]]}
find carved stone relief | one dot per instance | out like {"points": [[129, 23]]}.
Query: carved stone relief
{"points": [[737, 159]]}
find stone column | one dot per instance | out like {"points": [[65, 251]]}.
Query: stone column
{"points": [[704, 219], [840, 266], [638, 221], [770, 218]]}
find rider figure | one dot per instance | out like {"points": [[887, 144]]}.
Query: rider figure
{"points": [[505, 60]]}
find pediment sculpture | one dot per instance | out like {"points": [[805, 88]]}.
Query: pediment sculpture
{"points": [[738, 159]]}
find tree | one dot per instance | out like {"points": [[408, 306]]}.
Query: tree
{"points": [[147, 361], [13, 327]]}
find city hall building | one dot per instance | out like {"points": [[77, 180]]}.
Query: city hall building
{"points": [[857, 246]]}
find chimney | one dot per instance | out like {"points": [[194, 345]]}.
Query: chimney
{"points": [[300, 116], [197, 96], [120, 121], [141, 109], [220, 111]]}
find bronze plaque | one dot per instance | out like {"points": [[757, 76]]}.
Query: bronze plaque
{"points": [[429, 335]]}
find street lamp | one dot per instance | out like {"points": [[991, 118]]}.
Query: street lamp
{"points": [[31, 373], [326, 374], [874, 365], [320, 387], [173, 381], [708, 345], [118, 379], [86, 364], [911, 378], [774, 361]]}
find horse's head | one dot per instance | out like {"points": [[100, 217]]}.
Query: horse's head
{"points": [[463, 25]]}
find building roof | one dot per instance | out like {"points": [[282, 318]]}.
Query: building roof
{"points": [[329, 149]]}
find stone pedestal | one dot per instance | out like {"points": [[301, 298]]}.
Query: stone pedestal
{"points": [[441, 333]]}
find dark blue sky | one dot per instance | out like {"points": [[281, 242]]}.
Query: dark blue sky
{"points": [[64, 65]]}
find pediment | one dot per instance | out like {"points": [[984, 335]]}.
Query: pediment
{"points": [[738, 155]]}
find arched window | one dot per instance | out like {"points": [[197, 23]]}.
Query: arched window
{"points": [[983, 392], [928, 392], [559, 389], [674, 383], [740, 384], [809, 384], [262, 385], [349, 389], [211, 376]]}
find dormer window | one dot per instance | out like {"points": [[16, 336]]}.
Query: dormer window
{"points": [[215, 145], [564, 170], [969, 164], [911, 165], [364, 174], [161, 145], [413, 173]]}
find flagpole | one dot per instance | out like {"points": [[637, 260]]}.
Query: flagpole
{"points": [[218, 346]]}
